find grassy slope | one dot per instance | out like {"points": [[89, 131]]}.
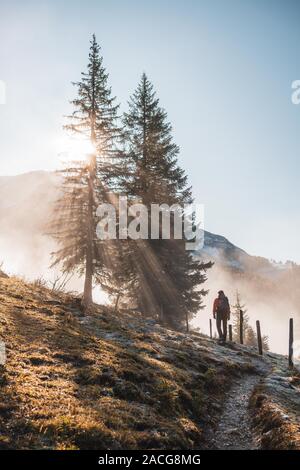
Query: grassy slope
{"points": [[276, 406], [105, 382]]}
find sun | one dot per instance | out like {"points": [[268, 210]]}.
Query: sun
{"points": [[75, 147]]}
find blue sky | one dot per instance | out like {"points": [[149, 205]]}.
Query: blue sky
{"points": [[223, 71]]}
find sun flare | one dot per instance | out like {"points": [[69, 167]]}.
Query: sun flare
{"points": [[76, 147]]}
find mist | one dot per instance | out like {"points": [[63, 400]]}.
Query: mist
{"points": [[262, 303], [26, 208], [26, 204]]}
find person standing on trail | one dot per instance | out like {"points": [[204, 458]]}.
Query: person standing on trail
{"points": [[221, 312]]}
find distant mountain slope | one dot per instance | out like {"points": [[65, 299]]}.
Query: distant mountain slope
{"points": [[222, 251], [25, 200], [26, 203], [270, 290]]}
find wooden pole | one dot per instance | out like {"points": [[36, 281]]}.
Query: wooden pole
{"points": [[291, 341], [241, 327], [259, 341], [230, 332], [210, 328]]}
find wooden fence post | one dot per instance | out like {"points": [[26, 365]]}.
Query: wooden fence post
{"points": [[241, 327], [230, 332], [259, 341], [291, 341], [210, 328]]}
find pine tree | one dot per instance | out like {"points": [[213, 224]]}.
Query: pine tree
{"points": [[89, 182], [165, 277], [236, 308], [265, 343], [249, 334], [250, 338]]}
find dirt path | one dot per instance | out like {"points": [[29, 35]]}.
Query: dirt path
{"points": [[234, 430], [235, 426]]}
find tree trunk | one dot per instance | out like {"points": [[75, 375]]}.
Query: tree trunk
{"points": [[87, 300], [88, 281]]}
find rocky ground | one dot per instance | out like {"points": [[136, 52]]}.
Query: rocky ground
{"points": [[118, 381]]}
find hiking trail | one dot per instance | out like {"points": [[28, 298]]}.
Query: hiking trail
{"points": [[235, 425]]}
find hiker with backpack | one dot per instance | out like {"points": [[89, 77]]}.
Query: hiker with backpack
{"points": [[221, 312]]}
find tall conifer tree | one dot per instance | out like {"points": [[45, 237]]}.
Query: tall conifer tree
{"points": [[249, 334], [167, 277], [89, 182]]}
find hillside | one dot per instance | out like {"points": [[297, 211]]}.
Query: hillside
{"points": [[270, 290], [119, 381]]}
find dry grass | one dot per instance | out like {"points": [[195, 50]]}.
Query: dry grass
{"points": [[276, 411], [102, 384]]}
